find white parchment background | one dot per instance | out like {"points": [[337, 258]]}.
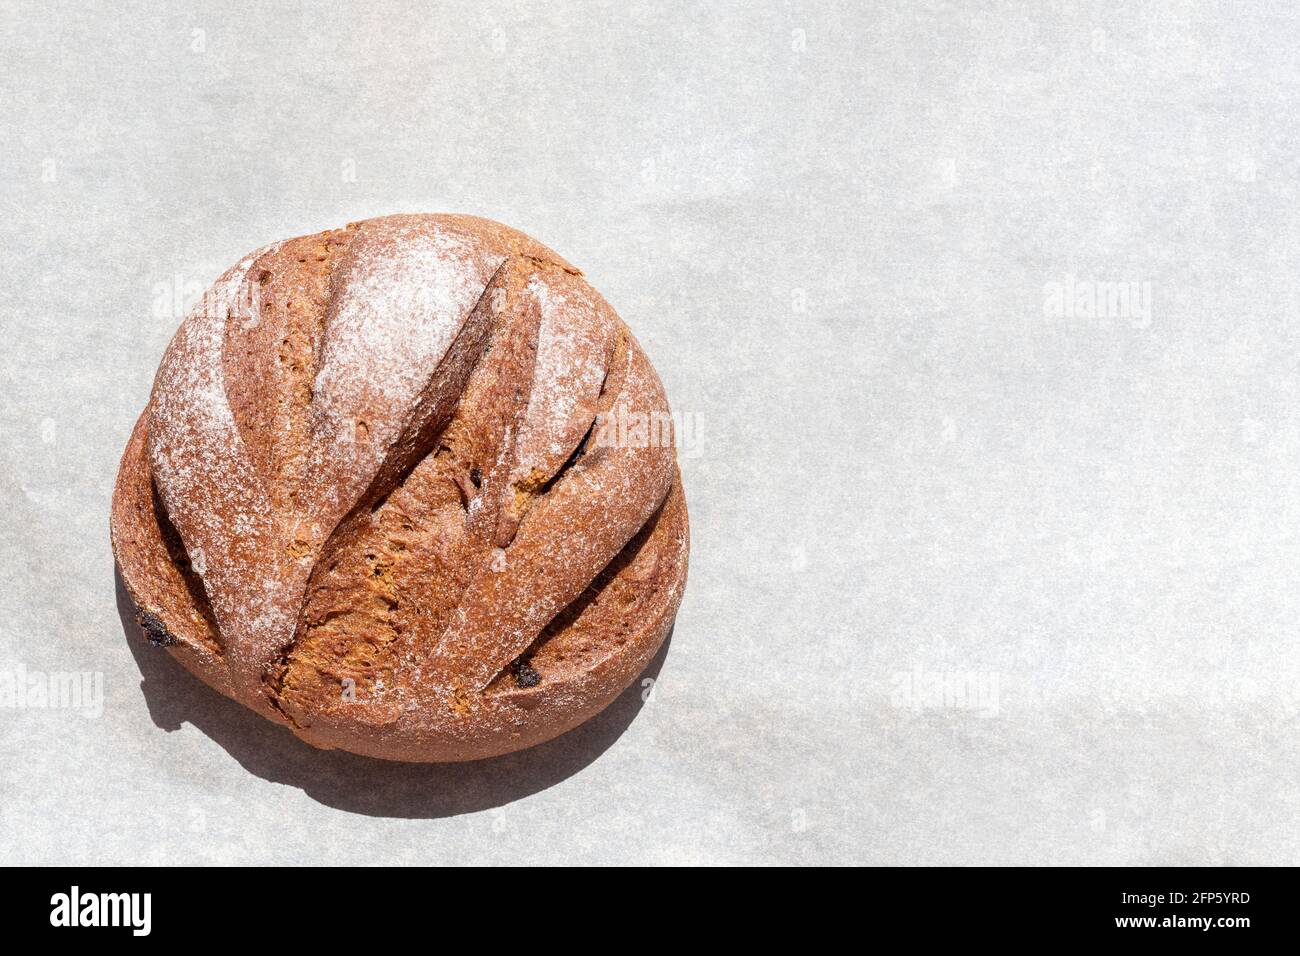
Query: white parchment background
{"points": [[980, 573]]}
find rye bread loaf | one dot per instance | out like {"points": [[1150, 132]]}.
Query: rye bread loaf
{"points": [[404, 487]]}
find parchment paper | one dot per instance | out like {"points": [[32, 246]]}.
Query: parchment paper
{"points": [[981, 322]]}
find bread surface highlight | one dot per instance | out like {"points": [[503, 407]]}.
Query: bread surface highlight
{"points": [[407, 487]]}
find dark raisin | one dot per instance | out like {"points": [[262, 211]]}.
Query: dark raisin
{"points": [[476, 476], [155, 632], [525, 676]]}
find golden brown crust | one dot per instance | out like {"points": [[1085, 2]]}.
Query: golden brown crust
{"points": [[386, 492]]}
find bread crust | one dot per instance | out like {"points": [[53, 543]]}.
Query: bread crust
{"points": [[403, 487]]}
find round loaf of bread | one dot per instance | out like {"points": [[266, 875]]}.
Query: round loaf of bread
{"points": [[408, 487]]}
